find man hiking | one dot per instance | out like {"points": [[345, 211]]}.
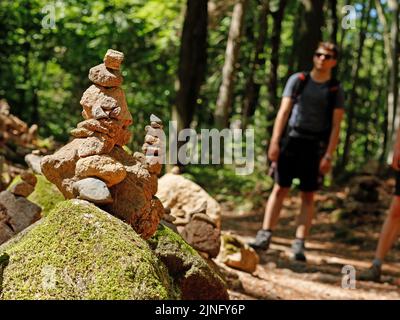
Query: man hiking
{"points": [[391, 226], [304, 139]]}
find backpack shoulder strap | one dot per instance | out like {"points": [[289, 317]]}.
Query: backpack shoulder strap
{"points": [[333, 87], [298, 88], [300, 84]]}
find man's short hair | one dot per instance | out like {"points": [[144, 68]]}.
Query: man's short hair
{"points": [[329, 46]]}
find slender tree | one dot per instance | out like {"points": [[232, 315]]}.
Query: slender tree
{"points": [[367, 102], [192, 62], [292, 63], [334, 21], [391, 40], [224, 101], [273, 75], [252, 89], [310, 31], [355, 81]]}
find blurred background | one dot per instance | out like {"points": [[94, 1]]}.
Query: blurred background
{"points": [[175, 54]]}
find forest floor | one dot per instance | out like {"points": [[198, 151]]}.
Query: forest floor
{"points": [[329, 248]]}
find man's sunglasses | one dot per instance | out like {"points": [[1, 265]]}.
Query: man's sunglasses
{"points": [[326, 56]]}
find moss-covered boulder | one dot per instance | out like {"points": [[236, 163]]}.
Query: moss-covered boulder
{"points": [[193, 275], [46, 194], [79, 251]]}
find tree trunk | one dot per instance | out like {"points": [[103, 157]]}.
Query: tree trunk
{"points": [[273, 75], [192, 63], [391, 41], [345, 56], [394, 109], [382, 100], [292, 63], [252, 87], [35, 117], [355, 81], [310, 32], [343, 32], [334, 19], [224, 101], [216, 10], [373, 110]]}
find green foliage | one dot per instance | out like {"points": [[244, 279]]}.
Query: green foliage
{"points": [[44, 72], [242, 193]]}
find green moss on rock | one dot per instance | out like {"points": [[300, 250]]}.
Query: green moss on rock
{"points": [[191, 273], [46, 194], [81, 252], [231, 245]]}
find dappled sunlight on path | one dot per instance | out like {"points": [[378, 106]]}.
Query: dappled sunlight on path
{"points": [[277, 277]]}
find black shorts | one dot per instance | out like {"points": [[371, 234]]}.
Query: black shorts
{"points": [[397, 189], [300, 158]]}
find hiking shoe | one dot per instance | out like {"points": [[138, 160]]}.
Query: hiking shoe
{"points": [[372, 274], [298, 251], [262, 241]]}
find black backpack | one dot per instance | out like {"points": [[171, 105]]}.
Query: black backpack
{"points": [[299, 86]]}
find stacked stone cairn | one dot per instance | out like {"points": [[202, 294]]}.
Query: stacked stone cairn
{"points": [[17, 212], [192, 212], [95, 167]]}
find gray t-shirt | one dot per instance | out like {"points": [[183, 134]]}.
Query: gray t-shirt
{"points": [[310, 111]]}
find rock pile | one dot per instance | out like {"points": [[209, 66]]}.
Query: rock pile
{"points": [[202, 233], [26, 186], [365, 200], [367, 195], [17, 212], [17, 140], [95, 167], [238, 255], [33, 161], [196, 215], [14, 130]]}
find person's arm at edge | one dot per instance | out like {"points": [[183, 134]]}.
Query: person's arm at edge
{"points": [[279, 126], [396, 153]]}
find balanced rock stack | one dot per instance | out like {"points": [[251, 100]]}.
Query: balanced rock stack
{"points": [[104, 108], [17, 212], [153, 146], [95, 167], [194, 213]]}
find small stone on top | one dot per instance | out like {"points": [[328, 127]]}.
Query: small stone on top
{"points": [[113, 59]]}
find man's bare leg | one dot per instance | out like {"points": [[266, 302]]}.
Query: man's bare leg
{"points": [[389, 233], [271, 217], [390, 229], [274, 206], [304, 220]]}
